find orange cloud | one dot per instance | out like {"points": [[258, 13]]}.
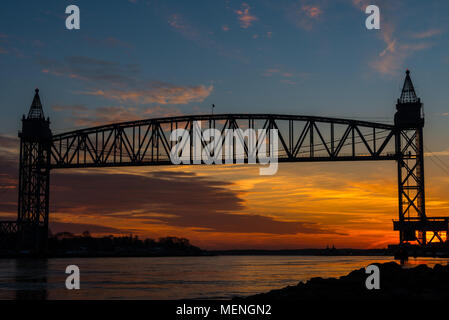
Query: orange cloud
{"points": [[427, 34], [312, 11], [85, 117], [392, 57], [361, 4], [245, 18], [176, 21], [304, 14], [270, 72], [159, 93], [118, 82], [286, 77], [390, 61]]}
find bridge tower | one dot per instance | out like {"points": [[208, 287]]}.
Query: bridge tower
{"points": [[34, 178], [409, 122]]}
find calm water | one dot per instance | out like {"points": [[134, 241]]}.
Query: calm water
{"points": [[221, 277]]}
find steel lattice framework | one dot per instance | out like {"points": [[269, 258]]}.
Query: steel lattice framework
{"points": [[147, 142], [413, 223], [301, 139]]}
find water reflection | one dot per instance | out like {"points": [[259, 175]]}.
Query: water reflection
{"points": [[217, 277], [31, 279]]}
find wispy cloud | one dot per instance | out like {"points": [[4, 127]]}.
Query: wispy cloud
{"points": [[427, 34], [202, 36], [287, 77], [178, 22], [9, 144], [438, 153], [305, 14], [159, 93], [312, 11], [120, 82], [110, 42], [98, 71], [245, 17], [361, 4], [390, 60], [270, 72], [83, 116]]}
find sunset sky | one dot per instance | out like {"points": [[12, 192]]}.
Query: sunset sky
{"points": [[136, 59]]}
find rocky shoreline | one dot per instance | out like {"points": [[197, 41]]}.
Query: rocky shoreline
{"points": [[396, 282]]}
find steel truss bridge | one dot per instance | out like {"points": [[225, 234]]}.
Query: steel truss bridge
{"points": [[147, 142], [300, 139]]}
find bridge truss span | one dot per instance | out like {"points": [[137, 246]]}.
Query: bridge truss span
{"points": [[300, 138]]}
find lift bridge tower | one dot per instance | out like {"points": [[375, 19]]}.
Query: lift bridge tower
{"points": [[34, 178], [413, 224]]}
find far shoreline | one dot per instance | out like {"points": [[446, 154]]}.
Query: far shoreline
{"points": [[216, 253]]}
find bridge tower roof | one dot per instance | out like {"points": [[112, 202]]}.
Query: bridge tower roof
{"points": [[408, 94], [36, 111]]}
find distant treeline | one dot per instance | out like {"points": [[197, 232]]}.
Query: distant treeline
{"points": [[66, 243], [308, 252]]}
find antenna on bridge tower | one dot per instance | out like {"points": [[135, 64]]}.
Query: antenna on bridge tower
{"points": [[408, 94], [408, 106], [36, 111], [213, 107]]}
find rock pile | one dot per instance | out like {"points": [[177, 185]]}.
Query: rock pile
{"points": [[421, 282]]}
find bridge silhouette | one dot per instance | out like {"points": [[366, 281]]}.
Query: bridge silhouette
{"points": [[301, 139]]}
